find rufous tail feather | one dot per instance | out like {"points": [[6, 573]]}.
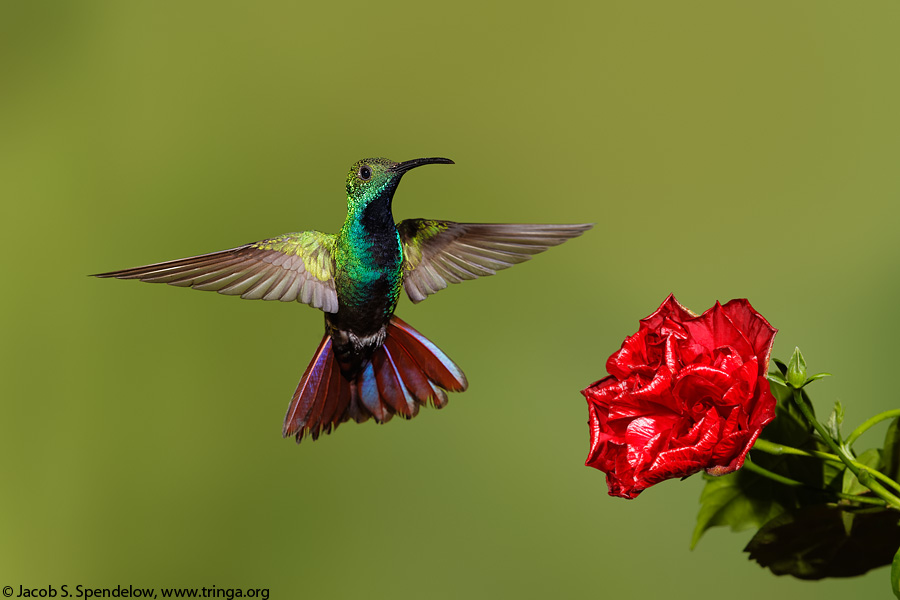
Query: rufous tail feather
{"points": [[406, 372]]}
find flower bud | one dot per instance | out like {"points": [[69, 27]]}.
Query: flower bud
{"points": [[796, 373]]}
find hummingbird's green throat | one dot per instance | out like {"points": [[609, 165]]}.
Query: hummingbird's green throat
{"points": [[369, 364]]}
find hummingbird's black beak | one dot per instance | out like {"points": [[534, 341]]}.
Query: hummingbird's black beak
{"points": [[405, 166]]}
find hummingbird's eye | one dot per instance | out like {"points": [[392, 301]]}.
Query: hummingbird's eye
{"points": [[365, 172]]}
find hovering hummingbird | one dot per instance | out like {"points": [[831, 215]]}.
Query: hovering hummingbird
{"points": [[369, 362]]}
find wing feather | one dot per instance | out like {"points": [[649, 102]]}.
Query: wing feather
{"points": [[438, 253], [294, 266]]}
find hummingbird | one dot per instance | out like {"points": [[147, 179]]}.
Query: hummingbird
{"points": [[370, 363]]}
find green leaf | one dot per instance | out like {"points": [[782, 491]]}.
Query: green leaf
{"points": [[796, 370], [890, 463], [832, 475], [739, 500], [790, 426], [870, 458], [895, 575], [817, 376], [833, 424], [809, 403], [776, 378], [814, 542], [781, 366]]}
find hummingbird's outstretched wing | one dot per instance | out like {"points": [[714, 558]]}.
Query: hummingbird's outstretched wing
{"points": [[294, 266], [438, 253]]}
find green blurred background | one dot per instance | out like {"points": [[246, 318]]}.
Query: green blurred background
{"points": [[724, 150]]}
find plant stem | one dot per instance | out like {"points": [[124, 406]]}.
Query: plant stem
{"points": [[842, 454], [780, 449], [763, 472], [889, 414]]}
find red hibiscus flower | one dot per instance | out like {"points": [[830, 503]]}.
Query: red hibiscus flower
{"points": [[684, 393]]}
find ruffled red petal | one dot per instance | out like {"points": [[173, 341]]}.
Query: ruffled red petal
{"points": [[685, 393]]}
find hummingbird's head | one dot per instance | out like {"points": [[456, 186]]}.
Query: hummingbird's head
{"points": [[372, 178]]}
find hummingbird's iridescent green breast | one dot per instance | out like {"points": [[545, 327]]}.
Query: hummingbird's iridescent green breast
{"points": [[368, 274], [368, 254]]}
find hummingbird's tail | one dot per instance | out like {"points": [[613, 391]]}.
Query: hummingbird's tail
{"points": [[406, 372]]}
